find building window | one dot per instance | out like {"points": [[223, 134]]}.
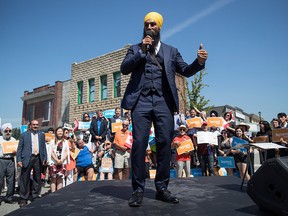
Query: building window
{"points": [[117, 84], [80, 92], [30, 112], [104, 87], [91, 90], [46, 110]]}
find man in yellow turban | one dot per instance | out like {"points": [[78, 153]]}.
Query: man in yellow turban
{"points": [[152, 97], [155, 17]]}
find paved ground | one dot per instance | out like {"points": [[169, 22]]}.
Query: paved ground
{"points": [[7, 208]]}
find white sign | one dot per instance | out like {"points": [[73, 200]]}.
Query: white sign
{"points": [[267, 145], [207, 137]]}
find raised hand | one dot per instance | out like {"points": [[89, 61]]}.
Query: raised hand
{"points": [[202, 55]]}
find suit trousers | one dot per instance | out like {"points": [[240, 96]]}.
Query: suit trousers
{"points": [[7, 169], [25, 181], [149, 109]]}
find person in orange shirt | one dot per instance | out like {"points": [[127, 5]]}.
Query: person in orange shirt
{"points": [[183, 161], [122, 162]]}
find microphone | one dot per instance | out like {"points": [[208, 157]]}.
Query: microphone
{"points": [[151, 34]]}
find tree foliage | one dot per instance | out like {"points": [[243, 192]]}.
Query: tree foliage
{"points": [[193, 97], [16, 133]]}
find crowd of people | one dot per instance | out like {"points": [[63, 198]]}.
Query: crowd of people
{"points": [[103, 151]]}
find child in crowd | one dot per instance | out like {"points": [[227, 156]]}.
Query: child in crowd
{"points": [[106, 154]]}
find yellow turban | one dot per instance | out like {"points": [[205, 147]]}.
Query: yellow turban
{"points": [[156, 17]]}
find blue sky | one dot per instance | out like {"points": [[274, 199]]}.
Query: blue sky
{"points": [[246, 40]]}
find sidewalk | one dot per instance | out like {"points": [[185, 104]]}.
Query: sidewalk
{"points": [[7, 208]]}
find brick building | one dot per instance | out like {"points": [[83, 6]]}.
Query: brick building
{"points": [[47, 104]]}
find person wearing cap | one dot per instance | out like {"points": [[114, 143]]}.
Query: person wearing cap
{"points": [[7, 164], [182, 160], [106, 154], [205, 153], [152, 97], [245, 127]]}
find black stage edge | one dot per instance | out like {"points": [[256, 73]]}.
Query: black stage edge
{"points": [[198, 196]]}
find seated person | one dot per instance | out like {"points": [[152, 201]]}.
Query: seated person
{"points": [[84, 161]]}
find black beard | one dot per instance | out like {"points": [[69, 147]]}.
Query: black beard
{"points": [[156, 38]]}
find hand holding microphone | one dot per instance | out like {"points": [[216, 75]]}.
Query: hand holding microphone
{"points": [[147, 41]]}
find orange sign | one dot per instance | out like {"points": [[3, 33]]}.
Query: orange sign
{"points": [[194, 122], [9, 147], [261, 139], [215, 121], [152, 173], [106, 163], [49, 137], [277, 134], [116, 126], [185, 146], [75, 153]]}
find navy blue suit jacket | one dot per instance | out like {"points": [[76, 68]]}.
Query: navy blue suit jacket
{"points": [[24, 150], [94, 130], [134, 63]]}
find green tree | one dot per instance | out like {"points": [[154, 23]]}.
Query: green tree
{"points": [[193, 98], [16, 133]]}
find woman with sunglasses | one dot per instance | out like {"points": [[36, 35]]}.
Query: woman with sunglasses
{"points": [[85, 133], [229, 124]]}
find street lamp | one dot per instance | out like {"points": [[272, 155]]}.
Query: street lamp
{"points": [[259, 115]]}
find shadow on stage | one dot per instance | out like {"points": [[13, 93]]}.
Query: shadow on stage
{"points": [[198, 196]]}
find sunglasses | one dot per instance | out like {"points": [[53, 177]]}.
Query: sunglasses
{"points": [[125, 125], [182, 129], [7, 131]]}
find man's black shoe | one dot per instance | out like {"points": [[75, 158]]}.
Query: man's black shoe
{"points": [[166, 196], [136, 199], [9, 201], [22, 203]]}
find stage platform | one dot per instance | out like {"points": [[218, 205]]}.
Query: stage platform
{"points": [[198, 196]]}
